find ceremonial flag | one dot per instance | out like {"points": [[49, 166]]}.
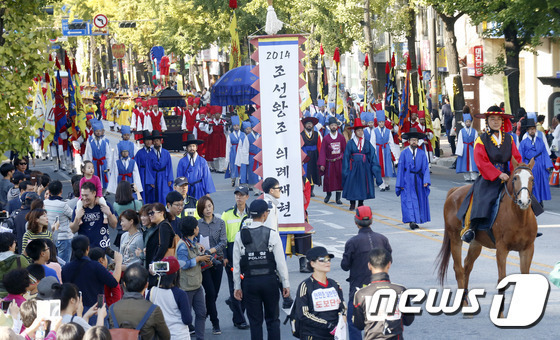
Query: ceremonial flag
{"points": [[423, 105], [50, 127], [338, 99], [304, 95], [367, 87], [39, 104], [405, 98], [71, 89], [59, 108], [235, 55], [81, 116], [323, 84], [391, 93]]}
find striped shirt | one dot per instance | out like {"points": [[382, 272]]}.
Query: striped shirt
{"points": [[216, 230], [29, 236]]}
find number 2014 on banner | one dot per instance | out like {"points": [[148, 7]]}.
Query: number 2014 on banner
{"points": [[277, 55]]}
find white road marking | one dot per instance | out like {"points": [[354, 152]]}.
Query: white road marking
{"points": [[316, 212], [333, 225]]}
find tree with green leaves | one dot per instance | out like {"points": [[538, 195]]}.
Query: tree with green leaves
{"points": [[24, 35]]}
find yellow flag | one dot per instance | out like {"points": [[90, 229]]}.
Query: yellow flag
{"points": [[423, 106], [50, 128], [304, 95], [241, 113], [80, 108], [235, 56], [507, 105]]}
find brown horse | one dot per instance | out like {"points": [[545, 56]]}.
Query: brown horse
{"points": [[515, 228]]}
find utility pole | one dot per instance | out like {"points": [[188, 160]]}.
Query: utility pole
{"points": [[432, 16]]}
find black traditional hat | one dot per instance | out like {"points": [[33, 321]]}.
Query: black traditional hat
{"points": [[156, 135], [493, 111], [146, 135], [530, 123], [191, 139], [413, 133], [306, 120]]}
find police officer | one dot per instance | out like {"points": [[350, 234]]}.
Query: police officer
{"points": [[258, 254]]}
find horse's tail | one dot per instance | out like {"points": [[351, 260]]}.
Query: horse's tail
{"points": [[445, 251]]}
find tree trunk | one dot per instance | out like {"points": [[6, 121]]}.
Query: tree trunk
{"points": [[2, 12], [512, 47], [411, 40], [453, 61], [372, 71], [109, 61]]}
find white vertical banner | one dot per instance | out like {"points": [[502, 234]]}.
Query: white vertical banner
{"points": [[279, 70]]}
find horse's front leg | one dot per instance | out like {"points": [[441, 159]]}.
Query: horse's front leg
{"points": [[526, 257], [501, 259]]}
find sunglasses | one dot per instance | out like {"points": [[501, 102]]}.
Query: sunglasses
{"points": [[152, 213], [22, 163], [277, 188], [324, 259]]}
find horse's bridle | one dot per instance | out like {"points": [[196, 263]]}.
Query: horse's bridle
{"points": [[516, 194]]}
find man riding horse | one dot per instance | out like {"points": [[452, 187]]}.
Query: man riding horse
{"points": [[493, 150]]}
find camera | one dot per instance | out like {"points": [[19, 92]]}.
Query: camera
{"points": [[160, 267], [3, 215], [110, 252], [213, 257]]}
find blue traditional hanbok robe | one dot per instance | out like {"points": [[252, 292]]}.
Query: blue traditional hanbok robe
{"points": [[246, 160], [535, 148], [413, 173], [160, 174], [98, 151], [359, 168], [142, 163], [125, 170], [383, 141], [233, 141], [465, 150], [198, 174]]}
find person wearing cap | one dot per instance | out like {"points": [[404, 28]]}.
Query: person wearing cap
{"points": [[258, 254], [316, 114], [174, 205], [14, 191], [330, 161], [196, 170], [125, 143], [246, 153], [233, 218], [311, 147], [181, 185], [493, 150], [359, 168], [160, 169], [465, 150], [23, 186], [156, 116], [235, 138], [137, 121], [173, 301], [125, 169], [100, 152], [340, 120], [189, 117], [319, 300], [355, 258], [141, 160], [382, 326], [540, 134], [533, 148], [382, 140], [413, 181], [201, 128]]}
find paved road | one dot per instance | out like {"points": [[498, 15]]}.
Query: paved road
{"points": [[414, 253]]}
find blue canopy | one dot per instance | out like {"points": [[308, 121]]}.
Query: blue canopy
{"points": [[234, 87]]}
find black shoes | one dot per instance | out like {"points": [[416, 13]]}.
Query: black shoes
{"points": [[327, 198], [352, 206], [242, 325], [468, 236], [539, 234], [413, 226], [216, 329]]}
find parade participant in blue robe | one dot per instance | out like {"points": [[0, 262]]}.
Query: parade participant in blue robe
{"points": [[125, 169], [340, 118], [160, 170], [359, 168], [413, 181], [367, 118], [98, 151], [314, 112], [247, 152], [539, 134], [232, 145], [382, 141], [534, 147], [195, 169], [465, 150], [126, 143], [142, 163]]}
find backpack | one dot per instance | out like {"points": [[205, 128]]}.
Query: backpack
{"points": [[128, 333], [294, 322], [172, 250]]}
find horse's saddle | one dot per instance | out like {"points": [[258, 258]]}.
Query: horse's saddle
{"points": [[488, 223]]}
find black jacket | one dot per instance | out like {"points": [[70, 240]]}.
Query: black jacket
{"points": [[392, 326]]}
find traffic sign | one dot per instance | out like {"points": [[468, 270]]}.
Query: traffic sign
{"points": [[100, 20], [67, 31]]}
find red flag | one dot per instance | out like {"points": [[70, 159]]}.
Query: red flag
{"points": [[366, 62], [408, 63], [387, 68], [233, 4], [67, 64], [57, 64], [336, 56], [321, 50], [393, 60], [74, 68], [47, 78], [420, 73]]}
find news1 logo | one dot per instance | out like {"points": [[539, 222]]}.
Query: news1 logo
{"points": [[526, 307]]}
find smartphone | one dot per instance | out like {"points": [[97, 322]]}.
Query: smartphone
{"points": [[100, 299], [56, 219], [5, 305], [3, 214], [80, 294]]}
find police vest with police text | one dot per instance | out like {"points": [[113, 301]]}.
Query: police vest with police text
{"points": [[258, 259]]}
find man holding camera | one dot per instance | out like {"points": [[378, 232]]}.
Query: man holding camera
{"points": [[258, 254]]}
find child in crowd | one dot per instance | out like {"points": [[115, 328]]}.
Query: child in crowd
{"points": [[112, 295], [465, 150], [88, 171]]}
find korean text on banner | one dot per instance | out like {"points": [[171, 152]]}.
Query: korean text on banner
{"points": [[280, 122]]}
